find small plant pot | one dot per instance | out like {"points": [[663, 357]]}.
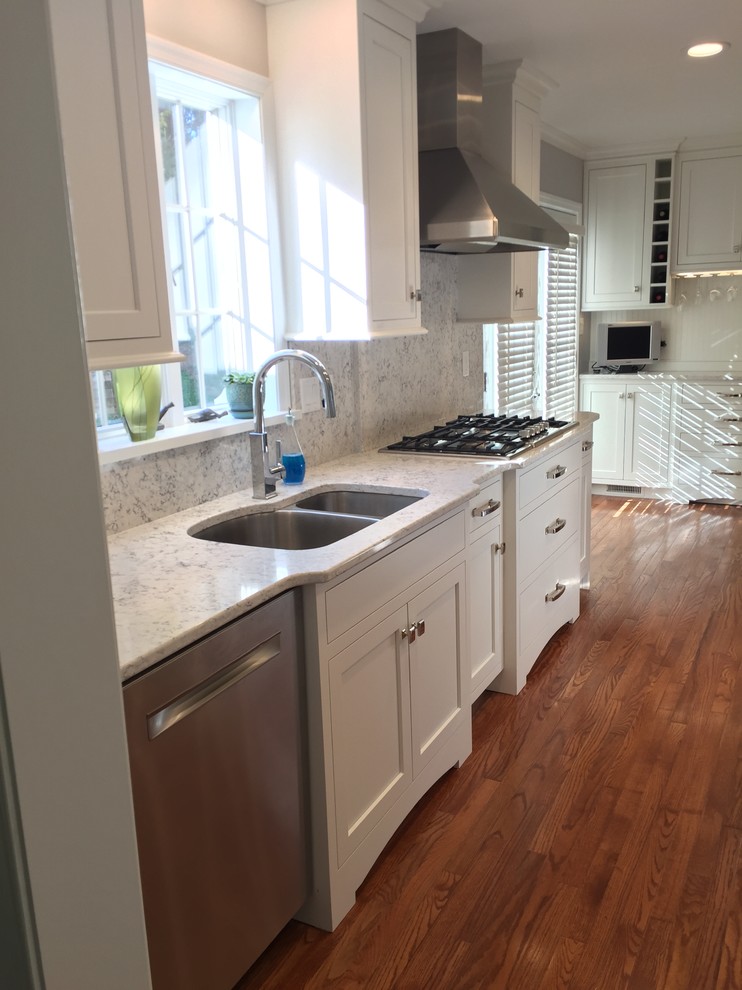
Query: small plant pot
{"points": [[239, 399]]}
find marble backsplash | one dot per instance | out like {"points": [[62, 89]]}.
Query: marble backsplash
{"points": [[382, 389]]}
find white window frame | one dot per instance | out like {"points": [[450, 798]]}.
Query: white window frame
{"points": [[113, 443]]}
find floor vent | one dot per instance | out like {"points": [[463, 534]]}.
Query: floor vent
{"points": [[624, 489]]}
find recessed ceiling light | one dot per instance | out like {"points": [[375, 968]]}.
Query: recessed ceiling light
{"points": [[707, 48]]}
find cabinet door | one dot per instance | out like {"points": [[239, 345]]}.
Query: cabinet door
{"points": [[586, 496], [608, 400], [370, 717], [390, 151], [108, 138], [710, 213], [615, 237], [439, 676], [648, 434], [526, 173], [484, 603]]}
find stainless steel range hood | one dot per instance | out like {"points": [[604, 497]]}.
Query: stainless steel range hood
{"points": [[467, 205]]}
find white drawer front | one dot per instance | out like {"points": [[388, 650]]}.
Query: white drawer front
{"points": [[721, 477], [548, 528], [544, 606], [352, 600], [549, 474], [725, 396], [485, 507]]}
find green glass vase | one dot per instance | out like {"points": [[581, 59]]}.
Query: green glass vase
{"points": [[138, 393]]}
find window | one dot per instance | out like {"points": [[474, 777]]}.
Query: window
{"points": [[532, 367], [218, 229]]}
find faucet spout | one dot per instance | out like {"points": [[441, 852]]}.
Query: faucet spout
{"points": [[263, 474]]}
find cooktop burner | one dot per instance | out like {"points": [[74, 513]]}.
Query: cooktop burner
{"points": [[482, 436]]}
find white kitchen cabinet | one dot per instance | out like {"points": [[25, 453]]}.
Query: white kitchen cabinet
{"points": [[708, 442], [485, 549], [108, 141], [632, 436], [627, 237], [709, 227], [344, 87], [586, 498], [389, 707], [503, 288], [542, 526]]}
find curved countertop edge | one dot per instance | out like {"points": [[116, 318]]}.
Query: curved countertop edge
{"points": [[170, 589]]}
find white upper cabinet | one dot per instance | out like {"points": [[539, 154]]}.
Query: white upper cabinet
{"points": [[504, 287], [108, 139], [343, 74], [627, 237], [709, 211]]}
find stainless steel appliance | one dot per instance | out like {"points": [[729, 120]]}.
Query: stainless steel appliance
{"points": [[483, 436], [216, 764]]}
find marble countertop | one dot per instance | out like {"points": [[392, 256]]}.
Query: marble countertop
{"points": [[170, 589]]}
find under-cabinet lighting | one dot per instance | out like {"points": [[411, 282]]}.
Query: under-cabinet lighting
{"points": [[733, 271], [707, 48]]}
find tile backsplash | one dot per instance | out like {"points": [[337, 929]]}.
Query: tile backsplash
{"points": [[382, 388]]}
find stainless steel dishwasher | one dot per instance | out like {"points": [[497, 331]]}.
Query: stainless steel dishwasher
{"points": [[215, 743]]}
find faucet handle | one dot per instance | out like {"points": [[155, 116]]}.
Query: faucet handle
{"points": [[279, 451]]}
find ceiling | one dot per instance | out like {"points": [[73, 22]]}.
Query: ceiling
{"points": [[620, 66]]}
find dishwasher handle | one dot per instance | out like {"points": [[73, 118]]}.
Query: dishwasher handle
{"points": [[196, 697]]}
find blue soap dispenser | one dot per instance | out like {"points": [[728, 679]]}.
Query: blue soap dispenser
{"points": [[292, 456]]}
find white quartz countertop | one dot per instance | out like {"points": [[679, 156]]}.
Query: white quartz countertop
{"points": [[170, 589]]}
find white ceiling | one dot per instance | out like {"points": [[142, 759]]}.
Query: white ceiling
{"points": [[620, 66]]}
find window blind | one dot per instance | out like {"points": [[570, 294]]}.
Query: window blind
{"points": [[516, 367], [560, 326]]}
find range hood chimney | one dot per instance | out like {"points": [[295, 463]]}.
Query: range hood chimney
{"points": [[467, 205]]}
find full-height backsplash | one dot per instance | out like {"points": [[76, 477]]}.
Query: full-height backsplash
{"points": [[382, 389]]}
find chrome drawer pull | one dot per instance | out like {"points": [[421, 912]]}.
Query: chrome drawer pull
{"points": [[192, 700], [727, 474], [556, 472], [486, 509], [729, 419], [587, 445], [556, 593], [556, 526], [729, 395], [727, 443]]}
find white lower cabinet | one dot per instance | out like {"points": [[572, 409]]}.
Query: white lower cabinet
{"points": [[388, 703], [542, 528], [586, 498], [632, 436], [708, 441], [484, 587]]}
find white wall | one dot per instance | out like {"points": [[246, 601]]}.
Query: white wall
{"points": [[231, 30], [69, 835], [703, 332]]}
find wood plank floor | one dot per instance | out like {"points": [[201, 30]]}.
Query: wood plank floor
{"points": [[593, 840]]}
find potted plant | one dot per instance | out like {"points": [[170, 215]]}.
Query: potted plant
{"points": [[239, 393]]}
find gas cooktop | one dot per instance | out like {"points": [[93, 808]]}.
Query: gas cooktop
{"points": [[483, 436]]}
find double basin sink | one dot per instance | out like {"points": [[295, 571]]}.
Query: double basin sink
{"points": [[315, 521]]}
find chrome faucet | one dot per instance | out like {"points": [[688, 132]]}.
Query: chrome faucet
{"points": [[264, 473]]}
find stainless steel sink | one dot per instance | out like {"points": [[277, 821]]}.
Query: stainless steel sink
{"points": [[285, 529], [355, 503]]}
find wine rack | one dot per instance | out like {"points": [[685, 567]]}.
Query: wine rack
{"points": [[660, 247]]}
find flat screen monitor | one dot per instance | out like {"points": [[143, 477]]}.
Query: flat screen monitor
{"points": [[628, 345]]}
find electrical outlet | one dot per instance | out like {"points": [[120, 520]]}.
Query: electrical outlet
{"points": [[310, 394], [465, 363]]}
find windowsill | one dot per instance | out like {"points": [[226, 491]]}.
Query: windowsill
{"points": [[121, 448]]}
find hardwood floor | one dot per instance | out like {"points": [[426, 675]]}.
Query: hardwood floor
{"points": [[593, 840]]}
